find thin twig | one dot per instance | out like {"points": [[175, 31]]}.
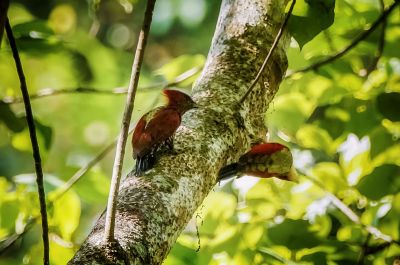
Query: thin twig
{"points": [[329, 40], [363, 252], [275, 255], [353, 44], [274, 45], [3, 16], [9, 241], [47, 92], [350, 213], [34, 142], [83, 170], [377, 248], [381, 43], [120, 150]]}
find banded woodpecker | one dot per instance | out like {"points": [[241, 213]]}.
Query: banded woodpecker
{"points": [[264, 160], [154, 131]]}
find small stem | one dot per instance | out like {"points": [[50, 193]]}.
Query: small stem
{"points": [[353, 44], [120, 150], [273, 47], [3, 16], [34, 142], [364, 249], [47, 92], [350, 214], [381, 44]]}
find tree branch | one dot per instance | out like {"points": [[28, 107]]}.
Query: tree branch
{"points": [[363, 252], [274, 45], [120, 150], [47, 92], [350, 214], [381, 44], [153, 209], [34, 142], [353, 44], [3, 16]]}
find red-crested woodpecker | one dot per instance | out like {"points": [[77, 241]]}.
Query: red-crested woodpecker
{"points": [[264, 160], [154, 131]]}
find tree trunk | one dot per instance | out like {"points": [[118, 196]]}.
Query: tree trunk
{"points": [[154, 208]]}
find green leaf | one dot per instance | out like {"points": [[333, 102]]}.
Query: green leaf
{"points": [[8, 214], [288, 112], [8, 117], [389, 105], [332, 95], [93, 187], [60, 254], [315, 258], [381, 140], [67, 211], [311, 136], [36, 37], [309, 18], [384, 180], [331, 175], [46, 133], [180, 65], [294, 234], [350, 234], [217, 209], [35, 29]]}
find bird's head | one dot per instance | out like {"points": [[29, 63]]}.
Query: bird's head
{"points": [[179, 100], [278, 159]]}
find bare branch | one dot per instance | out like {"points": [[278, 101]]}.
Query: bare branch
{"points": [[3, 16], [47, 92], [120, 151], [353, 44], [381, 44], [274, 45], [363, 252], [350, 214], [34, 142]]}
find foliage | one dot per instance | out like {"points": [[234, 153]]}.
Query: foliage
{"points": [[341, 122]]}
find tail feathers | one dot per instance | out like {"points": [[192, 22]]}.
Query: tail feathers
{"points": [[144, 163], [229, 171]]}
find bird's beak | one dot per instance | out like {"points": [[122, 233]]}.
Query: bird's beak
{"points": [[292, 175]]}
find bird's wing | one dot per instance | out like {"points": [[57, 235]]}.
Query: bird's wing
{"points": [[154, 128], [140, 138], [163, 124]]}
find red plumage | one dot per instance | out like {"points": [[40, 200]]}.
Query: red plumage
{"points": [[154, 131], [264, 160]]}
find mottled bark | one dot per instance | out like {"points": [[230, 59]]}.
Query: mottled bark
{"points": [[153, 209]]}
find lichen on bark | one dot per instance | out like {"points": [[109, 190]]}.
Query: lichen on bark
{"points": [[154, 208]]}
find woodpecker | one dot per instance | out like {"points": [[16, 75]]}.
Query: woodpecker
{"points": [[264, 160], [154, 131]]}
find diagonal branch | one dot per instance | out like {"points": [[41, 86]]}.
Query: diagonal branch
{"points": [[120, 150], [269, 55], [350, 213], [34, 142], [47, 92], [381, 44], [354, 43]]}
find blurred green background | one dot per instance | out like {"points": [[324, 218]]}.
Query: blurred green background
{"points": [[342, 123]]}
